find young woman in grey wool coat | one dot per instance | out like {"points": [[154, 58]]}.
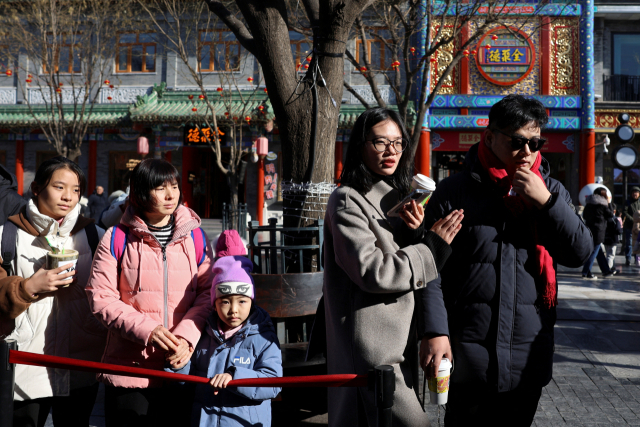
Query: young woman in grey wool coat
{"points": [[373, 263]]}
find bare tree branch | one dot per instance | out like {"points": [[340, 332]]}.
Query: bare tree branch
{"points": [[235, 25], [353, 92]]}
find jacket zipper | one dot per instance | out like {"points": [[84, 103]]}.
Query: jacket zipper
{"points": [[166, 285]]}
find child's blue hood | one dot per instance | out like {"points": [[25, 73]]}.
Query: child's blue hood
{"points": [[258, 322]]}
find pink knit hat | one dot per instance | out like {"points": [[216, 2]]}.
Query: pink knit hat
{"points": [[230, 244], [232, 277]]}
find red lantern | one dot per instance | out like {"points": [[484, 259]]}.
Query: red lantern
{"points": [[201, 97], [60, 84], [494, 37], [219, 89], [58, 90], [194, 109], [226, 114], [143, 146], [250, 79], [465, 52], [29, 76], [107, 82], [260, 108], [9, 73], [262, 146], [306, 66], [109, 98], [111, 86], [235, 118], [265, 90], [248, 119], [412, 50], [28, 80], [488, 46], [473, 52], [190, 96], [363, 69]]}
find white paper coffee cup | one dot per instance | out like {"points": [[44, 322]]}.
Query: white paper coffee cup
{"points": [[56, 260], [439, 386], [421, 182]]}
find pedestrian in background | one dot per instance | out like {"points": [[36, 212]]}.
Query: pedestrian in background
{"points": [[597, 214], [632, 205], [46, 311], [153, 295], [612, 237], [372, 265], [494, 309], [98, 202]]}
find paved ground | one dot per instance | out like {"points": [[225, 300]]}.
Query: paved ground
{"points": [[596, 364]]}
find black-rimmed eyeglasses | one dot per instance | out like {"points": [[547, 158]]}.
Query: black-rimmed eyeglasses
{"points": [[518, 141], [381, 144]]}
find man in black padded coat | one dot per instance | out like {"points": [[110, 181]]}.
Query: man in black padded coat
{"points": [[492, 310]]}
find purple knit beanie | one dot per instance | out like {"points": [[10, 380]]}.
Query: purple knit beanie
{"points": [[229, 244], [232, 277]]}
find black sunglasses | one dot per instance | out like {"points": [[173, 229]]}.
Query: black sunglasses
{"points": [[517, 141]]}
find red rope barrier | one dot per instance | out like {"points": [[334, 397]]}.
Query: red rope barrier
{"points": [[25, 358]]}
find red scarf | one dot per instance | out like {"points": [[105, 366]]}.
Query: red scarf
{"points": [[546, 282]]}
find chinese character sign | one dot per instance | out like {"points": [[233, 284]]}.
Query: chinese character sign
{"points": [[199, 136], [507, 56]]}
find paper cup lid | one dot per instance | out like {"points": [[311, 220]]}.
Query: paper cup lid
{"points": [[425, 182], [445, 365]]}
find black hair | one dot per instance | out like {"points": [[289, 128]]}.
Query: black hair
{"points": [[147, 175], [48, 167], [515, 111], [601, 191], [356, 174]]}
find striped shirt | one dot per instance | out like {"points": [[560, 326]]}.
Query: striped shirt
{"points": [[164, 233]]}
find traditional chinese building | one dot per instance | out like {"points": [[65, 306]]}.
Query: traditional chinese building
{"points": [[617, 84], [545, 53]]}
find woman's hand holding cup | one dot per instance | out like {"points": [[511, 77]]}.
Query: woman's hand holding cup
{"points": [[44, 281], [448, 227]]}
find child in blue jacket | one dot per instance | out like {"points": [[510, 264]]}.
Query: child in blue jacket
{"points": [[240, 342]]}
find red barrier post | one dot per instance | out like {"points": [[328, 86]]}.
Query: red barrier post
{"points": [[7, 382]]}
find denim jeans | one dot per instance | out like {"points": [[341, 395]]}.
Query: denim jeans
{"points": [[627, 246], [602, 261]]}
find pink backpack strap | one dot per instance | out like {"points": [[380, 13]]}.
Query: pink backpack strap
{"points": [[119, 241], [200, 243]]}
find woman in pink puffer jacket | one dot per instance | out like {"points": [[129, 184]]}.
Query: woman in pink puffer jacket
{"points": [[156, 302]]}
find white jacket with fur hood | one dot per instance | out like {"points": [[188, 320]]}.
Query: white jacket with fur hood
{"points": [[58, 323]]}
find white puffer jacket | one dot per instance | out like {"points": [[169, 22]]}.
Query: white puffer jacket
{"points": [[59, 323]]}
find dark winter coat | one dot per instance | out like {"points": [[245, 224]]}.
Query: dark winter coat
{"points": [[613, 232], [486, 298], [596, 214], [253, 352], [97, 203], [11, 200], [630, 207]]}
